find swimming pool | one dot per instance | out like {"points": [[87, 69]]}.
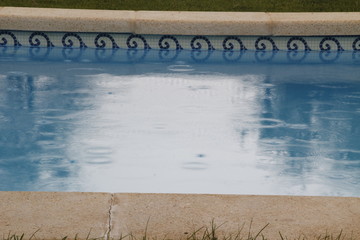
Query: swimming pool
{"points": [[217, 101], [248, 122]]}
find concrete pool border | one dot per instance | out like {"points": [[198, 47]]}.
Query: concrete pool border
{"points": [[69, 28], [56, 215], [180, 23]]}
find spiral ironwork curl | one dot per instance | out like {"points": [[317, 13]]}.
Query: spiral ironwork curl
{"points": [[35, 41], [356, 44], [68, 43], [164, 44], [293, 46], [195, 41], [102, 43], [5, 41], [133, 44], [228, 45], [324, 46], [263, 46]]}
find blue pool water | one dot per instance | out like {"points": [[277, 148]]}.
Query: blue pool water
{"points": [[180, 125]]}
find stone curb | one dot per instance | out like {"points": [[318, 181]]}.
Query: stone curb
{"points": [[180, 23], [54, 215]]}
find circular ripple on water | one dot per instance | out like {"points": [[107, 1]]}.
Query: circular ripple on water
{"points": [[195, 165], [98, 155]]}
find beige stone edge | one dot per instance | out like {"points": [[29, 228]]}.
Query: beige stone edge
{"points": [[180, 23], [54, 215]]}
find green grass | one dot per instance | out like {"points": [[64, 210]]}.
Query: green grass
{"points": [[199, 5], [205, 233]]}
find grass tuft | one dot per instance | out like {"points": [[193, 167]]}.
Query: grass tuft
{"points": [[199, 5], [210, 232]]}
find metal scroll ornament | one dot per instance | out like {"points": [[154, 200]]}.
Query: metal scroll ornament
{"points": [[198, 41], [4, 39], [264, 43], [132, 42], [101, 43], [356, 44], [69, 43], [36, 39], [229, 44], [292, 44], [164, 43], [329, 43]]}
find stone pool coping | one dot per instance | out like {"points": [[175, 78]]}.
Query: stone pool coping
{"points": [[53, 215], [180, 23]]}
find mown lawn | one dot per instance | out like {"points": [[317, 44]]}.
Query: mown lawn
{"points": [[197, 5]]}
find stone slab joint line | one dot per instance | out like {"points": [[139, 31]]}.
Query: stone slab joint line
{"points": [[108, 232], [270, 24]]}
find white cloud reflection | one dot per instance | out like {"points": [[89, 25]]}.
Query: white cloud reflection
{"points": [[185, 131], [174, 133]]}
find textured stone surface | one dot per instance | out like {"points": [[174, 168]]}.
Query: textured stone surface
{"points": [[180, 23], [54, 215], [308, 24], [174, 215], [202, 23], [65, 20]]}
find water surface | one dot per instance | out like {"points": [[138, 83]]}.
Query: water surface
{"points": [[180, 127]]}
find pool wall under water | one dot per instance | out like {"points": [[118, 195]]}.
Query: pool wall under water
{"points": [[178, 42]]}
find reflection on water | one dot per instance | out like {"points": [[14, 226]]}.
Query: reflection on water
{"points": [[180, 127]]}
